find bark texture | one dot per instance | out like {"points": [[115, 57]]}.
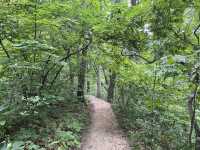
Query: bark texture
{"points": [[98, 82], [111, 87], [81, 76]]}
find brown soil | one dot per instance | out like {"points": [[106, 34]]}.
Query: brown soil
{"points": [[103, 134]]}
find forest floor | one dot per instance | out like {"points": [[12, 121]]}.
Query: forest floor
{"points": [[103, 133]]}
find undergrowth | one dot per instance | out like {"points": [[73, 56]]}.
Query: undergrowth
{"points": [[57, 126]]}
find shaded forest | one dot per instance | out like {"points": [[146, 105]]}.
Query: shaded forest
{"points": [[141, 56]]}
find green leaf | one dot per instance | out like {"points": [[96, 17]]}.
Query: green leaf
{"points": [[2, 123], [170, 60]]}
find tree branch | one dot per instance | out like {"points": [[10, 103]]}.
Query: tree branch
{"points": [[4, 49], [79, 50], [182, 38], [137, 55], [195, 33], [62, 59], [192, 111], [56, 76]]}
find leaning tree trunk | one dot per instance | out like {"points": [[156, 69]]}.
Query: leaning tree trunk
{"points": [[98, 82], [111, 87], [194, 124], [81, 76]]}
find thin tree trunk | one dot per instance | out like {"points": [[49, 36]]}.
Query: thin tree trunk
{"points": [[111, 87], [98, 82], [4, 49], [81, 77], [83, 67], [132, 2], [88, 86], [105, 77], [71, 73], [35, 21], [71, 76], [194, 124]]}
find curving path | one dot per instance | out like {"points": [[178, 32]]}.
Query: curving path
{"points": [[103, 133]]}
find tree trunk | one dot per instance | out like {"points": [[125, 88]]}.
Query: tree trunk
{"points": [[194, 124], [83, 66], [71, 76], [98, 82], [132, 2], [88, 86], [81, 76], [111, 87]]}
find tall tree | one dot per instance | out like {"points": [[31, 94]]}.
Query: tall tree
{"points": [[111, 86], [81, 76], [98, 82]]}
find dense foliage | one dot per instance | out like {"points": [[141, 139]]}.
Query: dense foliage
{"points": [[144, 59]]}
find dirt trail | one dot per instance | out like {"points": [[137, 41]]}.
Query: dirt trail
{"points": [[103, 133]]}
